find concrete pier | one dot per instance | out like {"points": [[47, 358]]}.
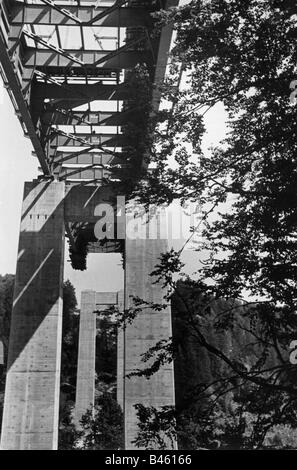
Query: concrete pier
{"points": [[120, 354], [85, 384], [91, 303], [31, 406], [1, 353], [147, 329]]}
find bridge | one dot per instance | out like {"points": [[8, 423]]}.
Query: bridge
{"points": [[83, 78]]}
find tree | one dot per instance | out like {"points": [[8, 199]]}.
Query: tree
{"points": [[241, 54], [69, 341], [68, 436], [6, 298], [231, 388], [103, 427], [106, 350]]}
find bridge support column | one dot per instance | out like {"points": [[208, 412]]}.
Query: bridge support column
{"points": [[147, 329], [31, 405], [85, 384], [1, 353], [120, 355]]}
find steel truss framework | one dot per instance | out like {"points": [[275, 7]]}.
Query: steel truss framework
{"points": [[66, 67]]}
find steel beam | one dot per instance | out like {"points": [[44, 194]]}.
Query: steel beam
{"points": [[106, 140], [79, 118], [62, 10], [82, 91], [162, 59], [117, 4], [45, 15], [123, 60], [87, 159], [21, 107], [83, 149], [88, 172]]}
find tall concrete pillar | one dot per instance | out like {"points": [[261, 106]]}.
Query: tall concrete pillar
{"points": [[85, 386], [120, 355], [1, 358], [1, 353], [85, 383], [31, 405], [149, 327]]}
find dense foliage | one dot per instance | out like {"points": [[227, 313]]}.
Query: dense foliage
{"points": [[6, 296], [103, 428], [242, 55]]}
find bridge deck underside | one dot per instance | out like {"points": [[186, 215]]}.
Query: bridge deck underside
{"points": [[80, 75]]}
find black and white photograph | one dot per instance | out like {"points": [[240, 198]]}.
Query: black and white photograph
{"points": [[148, 228]]}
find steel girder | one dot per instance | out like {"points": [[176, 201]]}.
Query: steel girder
{"points": [[85, 16], [90, 59], [47, 80]]}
